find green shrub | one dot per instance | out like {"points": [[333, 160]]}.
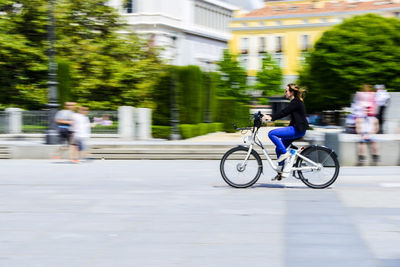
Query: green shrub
{"points": [[203, 128], [64, 80], [162, 97], [191, 92], [218, 126], [34, 128], [161, 131], [195, 130], [186, 130], [232, 111]]}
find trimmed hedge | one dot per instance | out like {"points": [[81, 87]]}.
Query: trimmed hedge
{"points": [[160, 131], [203, 128], [64, 80], [187, 130], [195, 93], [231, 111]]}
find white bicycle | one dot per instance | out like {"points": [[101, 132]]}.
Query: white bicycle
{"points": [[241, 167]]}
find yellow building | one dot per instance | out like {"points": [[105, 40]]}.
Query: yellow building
{"points": [[287, 29]]}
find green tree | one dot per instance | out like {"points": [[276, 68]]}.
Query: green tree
{"points": [[23, 62], [233, 77], [362, 50], [107, 68], [269, 78]]}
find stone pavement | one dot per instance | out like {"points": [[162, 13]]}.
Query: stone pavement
{"points": [[181, 213]]}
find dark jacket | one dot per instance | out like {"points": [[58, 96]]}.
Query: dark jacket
{"points": [[297, 112]]}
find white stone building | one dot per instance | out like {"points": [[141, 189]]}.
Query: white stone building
{"points": [[191, 32]]}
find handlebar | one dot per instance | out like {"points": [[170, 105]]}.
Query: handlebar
{"points": [[257, 122]]}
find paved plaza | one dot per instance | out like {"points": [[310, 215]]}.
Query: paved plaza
{"points": [[181, 213]]}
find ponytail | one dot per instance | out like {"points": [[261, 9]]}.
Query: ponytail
{"points": [[298, 92]]}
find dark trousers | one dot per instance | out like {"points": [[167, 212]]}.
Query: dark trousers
{"points": [[380, 117]]}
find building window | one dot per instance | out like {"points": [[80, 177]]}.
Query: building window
{"points": [[243, 59], [244, 45], [397, 14], [324, 20], [211, 16], [278, 22], [279, 59], [305, 44], [305, 21], [130, 6], [261, 45], [279, 44]]}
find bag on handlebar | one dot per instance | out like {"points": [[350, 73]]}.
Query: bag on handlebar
{"points": [[258, 119]]}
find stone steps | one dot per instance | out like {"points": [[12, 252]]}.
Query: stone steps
{"points": [[5, 152], [199, 152]]}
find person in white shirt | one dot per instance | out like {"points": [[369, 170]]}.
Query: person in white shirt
{"points": [[63, 118], [81, 133]]}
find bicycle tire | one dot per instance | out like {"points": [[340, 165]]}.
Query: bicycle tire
{"points": [[246, 177], [329, 172]]}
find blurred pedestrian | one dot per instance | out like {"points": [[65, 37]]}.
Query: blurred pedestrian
{"points": [[81, 127], [382, 101], [367, 126], [64, 119], [365, 99]]}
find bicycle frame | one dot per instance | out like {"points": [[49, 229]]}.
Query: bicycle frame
{"points": [[256, 141]]}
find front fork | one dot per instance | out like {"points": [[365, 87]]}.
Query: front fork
{"points": [[244, 163]]}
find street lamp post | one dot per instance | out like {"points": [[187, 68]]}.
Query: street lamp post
{"points": [[174, 106], [207, 117], [51, 134]]}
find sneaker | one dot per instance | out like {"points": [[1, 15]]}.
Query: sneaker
{"points": [[375, 160], [282, 157], [361, 161], [277, 177]]}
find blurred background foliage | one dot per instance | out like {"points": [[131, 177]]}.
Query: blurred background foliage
{"points": [[269, 78], [201, 97], [97, 66], [362, 50], [103, 66]]}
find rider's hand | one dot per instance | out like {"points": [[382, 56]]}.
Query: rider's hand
{"points": [[266, 118]]}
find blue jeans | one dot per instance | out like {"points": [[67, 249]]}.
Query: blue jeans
{"points": [[283, 137]]}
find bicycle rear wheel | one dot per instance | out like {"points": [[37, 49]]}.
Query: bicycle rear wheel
{"points": [[238, 173], [328, 167]]}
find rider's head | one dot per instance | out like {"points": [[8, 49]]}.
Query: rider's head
{"points": [[293, 91]]}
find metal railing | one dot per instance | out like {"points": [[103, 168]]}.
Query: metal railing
{"points": [[106, 122], [34, 121], [3, 122]]}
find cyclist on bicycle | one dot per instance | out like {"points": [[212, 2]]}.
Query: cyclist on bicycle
{"points": [[283, 137]]}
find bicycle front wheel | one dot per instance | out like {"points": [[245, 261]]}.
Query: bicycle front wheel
{"points": [[240, 173], [328, 167]]}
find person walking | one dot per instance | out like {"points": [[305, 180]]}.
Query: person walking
{"points": [[82, 128], [366, 127], [283, 137], [64, 119]]}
